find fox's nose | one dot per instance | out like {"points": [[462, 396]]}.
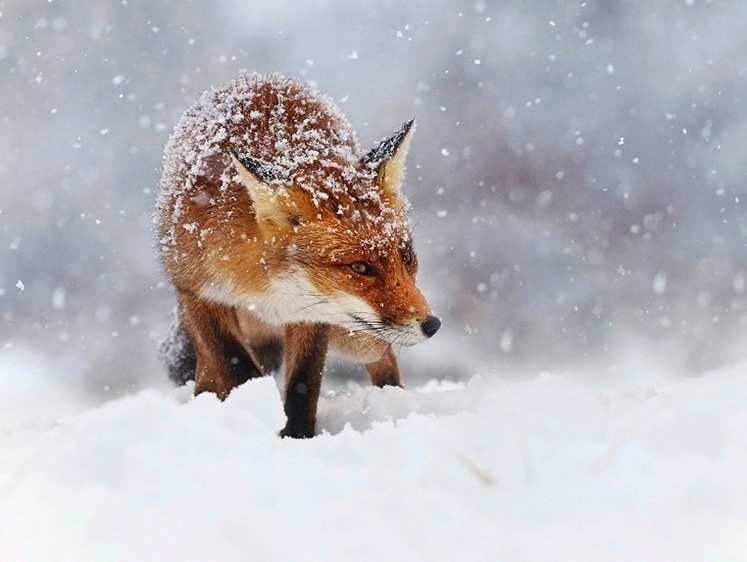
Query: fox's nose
{"points": [[430, 326]]}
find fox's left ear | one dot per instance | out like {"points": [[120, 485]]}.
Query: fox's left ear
{"points": [[388, 159], [260, 179]]}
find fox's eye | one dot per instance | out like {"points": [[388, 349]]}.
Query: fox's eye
{"points": [[361, 268], [407, 257]]}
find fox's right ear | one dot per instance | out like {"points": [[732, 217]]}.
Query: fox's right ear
{"points": [[258, 177]]}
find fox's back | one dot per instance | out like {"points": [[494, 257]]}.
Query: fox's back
{"points": [[202, 203]]}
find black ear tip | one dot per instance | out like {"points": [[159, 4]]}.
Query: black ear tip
{"points": [[262, 170], [387, 147], [245, 161]]}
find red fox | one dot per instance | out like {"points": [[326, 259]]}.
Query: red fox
{"points": [[283, 240]]}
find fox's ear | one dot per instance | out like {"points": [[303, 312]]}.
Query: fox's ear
{"points": [[388, 159], [258, 177]]}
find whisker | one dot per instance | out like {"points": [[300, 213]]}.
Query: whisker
{"points": [[308, 306], [359, 322]]}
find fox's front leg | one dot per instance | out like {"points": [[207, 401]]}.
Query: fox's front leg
{"points": [[385, 371], [222, 361], [305, 351]]}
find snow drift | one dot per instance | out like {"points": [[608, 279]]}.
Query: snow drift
{"points": [[557, 467]]}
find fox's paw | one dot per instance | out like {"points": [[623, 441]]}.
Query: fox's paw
{"points": [[298, 431], [388, 379]]}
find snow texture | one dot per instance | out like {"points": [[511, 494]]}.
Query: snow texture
{"points": [[557, 467]]}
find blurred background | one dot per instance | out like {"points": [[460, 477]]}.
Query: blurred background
{"points": [[577, 176]]}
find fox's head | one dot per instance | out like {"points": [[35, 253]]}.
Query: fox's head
{"points": [[339, 245]]}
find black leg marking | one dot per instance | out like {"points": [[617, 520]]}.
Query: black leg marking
{"points": [[306, 349], [240, 365], [269, 354]]}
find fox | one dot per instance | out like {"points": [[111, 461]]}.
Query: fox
{"points": [[284, 242]]}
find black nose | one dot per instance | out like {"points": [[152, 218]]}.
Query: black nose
{"points": [[430, 326]]}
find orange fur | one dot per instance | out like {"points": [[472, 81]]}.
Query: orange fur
{"points": [[278, 233]]}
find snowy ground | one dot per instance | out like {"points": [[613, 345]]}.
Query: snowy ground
{"points": [[633, 465]]}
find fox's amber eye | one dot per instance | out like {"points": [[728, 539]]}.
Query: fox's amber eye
{"points": [[361, 268]]}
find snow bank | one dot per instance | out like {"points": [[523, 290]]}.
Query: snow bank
{"points": [[557, 467], [33, 389]]}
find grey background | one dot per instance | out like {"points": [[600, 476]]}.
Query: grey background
{"points": [[577, 175]]}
